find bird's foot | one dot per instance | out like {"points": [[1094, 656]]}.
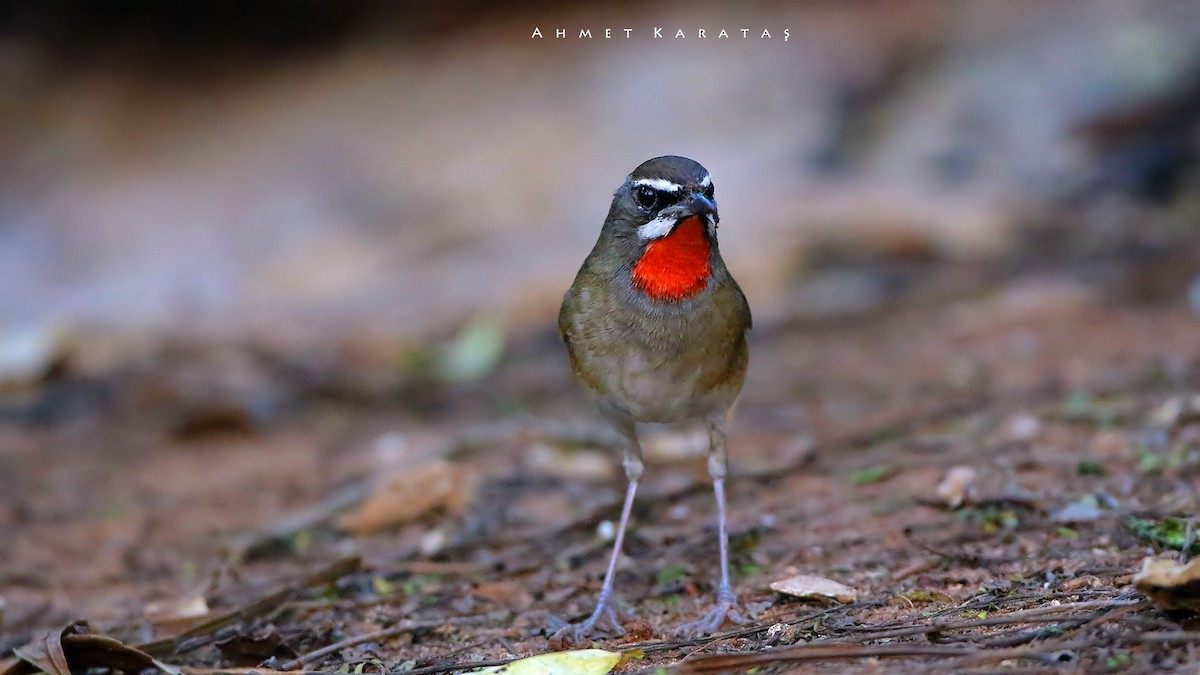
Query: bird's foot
{"points": [[727, 608], [605, 621]]}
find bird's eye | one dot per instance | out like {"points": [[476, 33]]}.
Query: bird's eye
{"points": [[710, 191], [646, 197]]}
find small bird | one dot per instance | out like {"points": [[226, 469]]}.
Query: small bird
{"points": [[655, 329]]}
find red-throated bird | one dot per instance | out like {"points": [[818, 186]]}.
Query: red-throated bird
{"points": [[655, 328]]}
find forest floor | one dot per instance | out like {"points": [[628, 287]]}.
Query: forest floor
{"points": [[205, 501]]}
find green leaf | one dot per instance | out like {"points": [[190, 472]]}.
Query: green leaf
{"points": [[1078, 402], [475, 351], [671, 573], [1148, 462], [924, 597], [872, 474], [1168, 532], [382, 586], [1088, 467], [749, 569], [302, 541]]}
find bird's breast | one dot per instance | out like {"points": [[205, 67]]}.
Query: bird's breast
{"points": [[676, 266]]}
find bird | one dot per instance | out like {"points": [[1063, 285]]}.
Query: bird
{"points": [[655, 329]]}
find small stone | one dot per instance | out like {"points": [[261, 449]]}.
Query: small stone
{"points": [[606, 530]]}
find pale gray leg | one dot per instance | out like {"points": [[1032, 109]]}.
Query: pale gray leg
{"points": [[605, 617], [726, 607]]}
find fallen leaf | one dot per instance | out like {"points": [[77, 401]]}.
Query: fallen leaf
{"points": [[810, 586], [1170, 585], [871, 474], [955, 486], [1166, 532], [475, 351], [252, 648], [75, 648], [405, 496], [577, 662], [192, 607], [46, 652]]}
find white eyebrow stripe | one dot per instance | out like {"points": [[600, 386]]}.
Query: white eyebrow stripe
{"points": [[707, 180], [659, 184]]}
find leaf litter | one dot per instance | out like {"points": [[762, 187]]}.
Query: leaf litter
{"points": [[987, 495]]}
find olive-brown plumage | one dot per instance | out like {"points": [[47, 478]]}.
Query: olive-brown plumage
{"points": [[655, 328]]}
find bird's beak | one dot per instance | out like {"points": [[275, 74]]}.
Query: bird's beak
{"points": [[699, 205]]}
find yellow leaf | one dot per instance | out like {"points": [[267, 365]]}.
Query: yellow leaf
{"points": [[577, 662]]}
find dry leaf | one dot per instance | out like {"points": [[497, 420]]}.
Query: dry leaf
{"points": [[577, 662], [955, 486], [192, 607], [46, 652], [810, 586], [75, 648], [410, 494], [1170, 585], [255, 647]]}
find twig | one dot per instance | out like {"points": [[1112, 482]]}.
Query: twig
{"points": [[720, 663], [972, 603], [1047, 609], [1036, 615], [1106, 617], [840, 648], [1174, 637], [383, 634], [259, 607]]}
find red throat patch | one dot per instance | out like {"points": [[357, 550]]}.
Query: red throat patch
{"points": [[675, 267]]}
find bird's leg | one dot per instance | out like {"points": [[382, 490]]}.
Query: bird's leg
{"points": [[726, 607], [605, 617]]}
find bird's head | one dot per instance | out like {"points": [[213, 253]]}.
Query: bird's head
{"points": [[663, 192]]}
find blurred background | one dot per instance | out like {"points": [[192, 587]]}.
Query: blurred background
{"points": [[319, 169], [242, 243]]}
